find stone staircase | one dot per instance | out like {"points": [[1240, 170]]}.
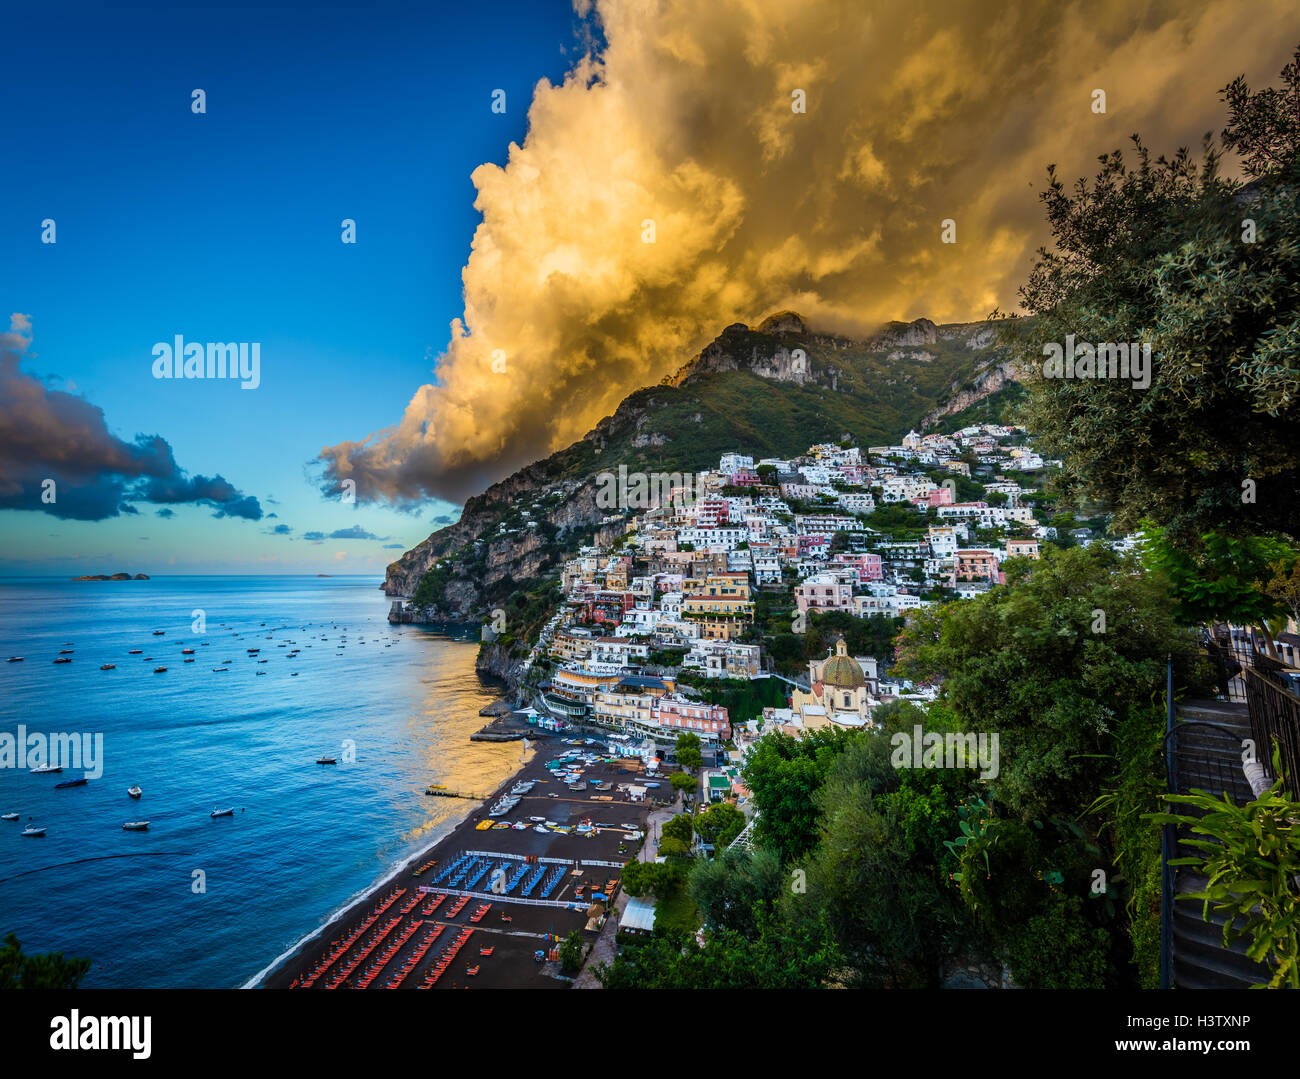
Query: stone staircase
{"points": [[1204, 751]]}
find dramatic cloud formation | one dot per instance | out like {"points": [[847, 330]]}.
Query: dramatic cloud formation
{"points": [[916, 112], [49, 435]]}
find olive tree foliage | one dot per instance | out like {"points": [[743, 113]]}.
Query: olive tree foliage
{"points": [[1205, 270]]}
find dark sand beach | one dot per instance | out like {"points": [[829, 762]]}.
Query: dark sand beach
{"points": [[514, 942]]}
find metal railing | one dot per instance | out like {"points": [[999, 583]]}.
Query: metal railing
{"points": [[1274, 711]]}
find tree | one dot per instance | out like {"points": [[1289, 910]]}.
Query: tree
{"points": [[1223, 579], [652, 878], [784, 774], [1052, 663], [682, 781], [688, 750], [571, 953], [1167, 253], [679, 827], [720, 824], [735, 889], [801, 955], [47, 971]]}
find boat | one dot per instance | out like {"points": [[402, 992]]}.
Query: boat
{"points": [[63, 659], [223, 812], [108, 667], [136, 652], [15, 659], [134, 792], [159, 670], [189, 661], [66, 652], [43, 769], [187, 651], [159, 632], [72, 783], [29, 830], [8, 816], [327, 760], [218, 670], [135, 826]]}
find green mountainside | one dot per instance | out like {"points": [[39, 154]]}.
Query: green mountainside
{"points": [[767, 391]]}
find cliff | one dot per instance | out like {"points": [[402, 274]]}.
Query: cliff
{"points": [[770, 390]]}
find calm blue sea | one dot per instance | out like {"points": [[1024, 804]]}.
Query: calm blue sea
{"points": [[305, 838]]}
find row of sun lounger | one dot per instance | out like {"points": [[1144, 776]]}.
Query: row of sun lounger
{"points": [[340, 945], [385, 957], [418, 954], [445, 960]]}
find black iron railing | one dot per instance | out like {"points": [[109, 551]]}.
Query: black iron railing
{"points": [[1274, 711]]}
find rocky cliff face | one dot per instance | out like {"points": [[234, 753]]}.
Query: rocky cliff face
{"points": [[522, 527], [989, 381]]}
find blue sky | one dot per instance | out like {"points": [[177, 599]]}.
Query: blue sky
{"points": [[226, 227]]}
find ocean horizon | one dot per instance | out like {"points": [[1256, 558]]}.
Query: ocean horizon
{"points": [[197, 901]]}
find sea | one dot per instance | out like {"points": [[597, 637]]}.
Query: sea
{"points": [[198, 901]]}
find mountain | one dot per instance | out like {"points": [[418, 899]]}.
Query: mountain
{"points": [[771, 390]]}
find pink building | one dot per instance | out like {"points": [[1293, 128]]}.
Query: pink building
{"points": [[868, 567], [710, 720]]}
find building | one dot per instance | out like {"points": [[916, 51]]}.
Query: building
{"points": [[840, 693]]}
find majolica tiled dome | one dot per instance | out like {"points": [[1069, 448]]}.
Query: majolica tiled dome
{"points": [[843, 671]]}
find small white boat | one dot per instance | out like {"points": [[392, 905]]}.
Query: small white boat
{"points": [[541, 828], [8, 816], [46, 769], [134, 792], [223, 812], [32, 831], [135, 826]]}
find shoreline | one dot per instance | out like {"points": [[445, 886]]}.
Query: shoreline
{"points": [[510, 929], [291, 958]]}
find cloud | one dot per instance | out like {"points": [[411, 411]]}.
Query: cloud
{"points": [[165, 512], [354, 532], [394, 546], [49, 437], [916, 113], [280, 530], [315, 537]]}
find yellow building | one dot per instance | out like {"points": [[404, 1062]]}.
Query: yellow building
{"points": [[840, 693]]}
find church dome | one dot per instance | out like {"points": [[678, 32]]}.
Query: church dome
{"points": [[843, 671]]}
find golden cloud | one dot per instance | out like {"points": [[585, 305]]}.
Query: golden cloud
{"points": [[671, 185]]}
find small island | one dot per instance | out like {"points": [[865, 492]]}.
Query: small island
{"points": [[113, 577]]}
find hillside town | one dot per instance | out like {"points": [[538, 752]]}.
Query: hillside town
{"points": [[669, 605]]}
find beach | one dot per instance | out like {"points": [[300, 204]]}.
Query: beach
{"points": [[513, 943]]}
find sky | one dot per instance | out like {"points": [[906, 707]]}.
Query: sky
{"points": [[225, 227], [553, 206]]}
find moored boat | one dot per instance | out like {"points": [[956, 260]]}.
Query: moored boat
{"points": [[63, 659], [134, 792], [33, 831], [327, 760], [8, 816], [45, 769], [72, 783], [135, 826], [15, 659], [223, 812], [108, 667], [159, 670], [136, 652]]}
